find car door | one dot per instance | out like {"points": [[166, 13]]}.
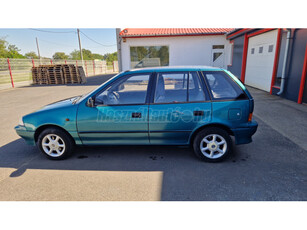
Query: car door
{"points": [[179, 105], [119, 115]]}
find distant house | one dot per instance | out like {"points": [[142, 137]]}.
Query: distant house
{"points": [[174, 47], [273, 60]]}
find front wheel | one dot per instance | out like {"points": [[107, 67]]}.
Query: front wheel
{"points": [[212, 144], [55, 144]]}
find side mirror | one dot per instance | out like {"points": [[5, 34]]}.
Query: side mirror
{"points": [[90, 102], [121, 87]]}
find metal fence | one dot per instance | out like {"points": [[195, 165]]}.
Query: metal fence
{"points": [[19, 70]]}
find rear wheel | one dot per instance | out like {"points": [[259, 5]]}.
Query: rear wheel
{"points": [[55, 144], [212, 144]]}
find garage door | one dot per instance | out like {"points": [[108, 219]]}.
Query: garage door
{"points": [[260, 60]]}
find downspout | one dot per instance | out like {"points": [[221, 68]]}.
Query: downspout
{"points": [[283, 74]]}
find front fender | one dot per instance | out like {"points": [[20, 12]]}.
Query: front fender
{"points": [[64, 117]]}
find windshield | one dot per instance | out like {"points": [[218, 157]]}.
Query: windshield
{"points": [[79, 98]]}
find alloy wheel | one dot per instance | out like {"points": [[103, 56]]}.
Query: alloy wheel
{"points": [[53, 145], [213, 146]]}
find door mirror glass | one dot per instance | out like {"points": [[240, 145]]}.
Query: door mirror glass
{"points": [[90, 102]]}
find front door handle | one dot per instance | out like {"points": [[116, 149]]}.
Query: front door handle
{"points": [[198, 113], [136, 115]]}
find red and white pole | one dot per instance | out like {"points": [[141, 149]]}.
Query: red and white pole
{"points": [[33, 63], [51, 61], [9, 64]]}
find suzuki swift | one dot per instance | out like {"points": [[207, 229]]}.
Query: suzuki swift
{"points": [[198, 106]]}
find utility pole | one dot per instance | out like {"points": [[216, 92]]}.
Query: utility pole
{"points": [[119, 50], [39, 55], [78, 31]]}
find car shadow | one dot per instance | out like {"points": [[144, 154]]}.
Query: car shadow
{"points": [[181, 169]]}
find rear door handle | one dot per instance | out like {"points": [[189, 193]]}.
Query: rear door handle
{"points": [[198, 113], [136, 115]]}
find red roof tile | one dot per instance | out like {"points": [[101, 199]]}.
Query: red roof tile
{"points": [[157, 32]]}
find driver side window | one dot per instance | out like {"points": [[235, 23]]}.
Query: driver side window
{"points": [[129, 90]]}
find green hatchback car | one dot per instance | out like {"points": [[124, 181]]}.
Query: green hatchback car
{"points": [[198, 106]]}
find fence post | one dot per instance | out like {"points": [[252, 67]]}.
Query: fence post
{"points": [[101, 66], [51, 61], [113, 67], [9, 64], [86, 68], [33, 63], [77, 63], [94, 66]]}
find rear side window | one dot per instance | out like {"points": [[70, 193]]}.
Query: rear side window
{"points": [[178, 87], [222, 86]]}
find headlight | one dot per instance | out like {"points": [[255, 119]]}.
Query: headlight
{"points": [[21, 122]]}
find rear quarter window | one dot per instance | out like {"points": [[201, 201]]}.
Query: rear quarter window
{"points": [[222, 87]]}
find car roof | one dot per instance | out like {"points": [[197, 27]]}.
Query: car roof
{"points": [[174, 68]]}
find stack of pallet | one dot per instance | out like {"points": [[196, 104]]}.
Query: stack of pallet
{"points": [[40, 76], [58, 74], [55, 74]]}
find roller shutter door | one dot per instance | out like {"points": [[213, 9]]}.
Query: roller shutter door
{"points": [[260, 60]]}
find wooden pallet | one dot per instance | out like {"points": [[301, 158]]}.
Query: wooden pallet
{"points": [[67, 75], [57, 74], [82, 74]]}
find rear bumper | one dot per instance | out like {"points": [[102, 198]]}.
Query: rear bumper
{"points": [[243, 135], [28, 136]]}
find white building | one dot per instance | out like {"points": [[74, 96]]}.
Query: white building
{"points": [[173, 47]]}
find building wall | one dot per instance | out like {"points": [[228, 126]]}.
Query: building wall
{"points": [[294, 74], [294, 67], [236, 66], [183, 50]]}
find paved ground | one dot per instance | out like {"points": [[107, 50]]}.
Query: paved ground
{"points": [[273, 167]]}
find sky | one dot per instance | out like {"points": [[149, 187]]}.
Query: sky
{"points": [[60, 40]]}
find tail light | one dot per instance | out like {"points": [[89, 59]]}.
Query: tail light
{"points": [[250, 116]]}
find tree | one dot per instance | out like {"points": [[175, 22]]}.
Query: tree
{"points": [[98, 56], [31, 55], [60, 55], [87, 55], [110, 57], [14, 52], [75, 55], [9, 51], [3, 51]]}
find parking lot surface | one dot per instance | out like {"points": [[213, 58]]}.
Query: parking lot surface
{"points": [[272, 167]]}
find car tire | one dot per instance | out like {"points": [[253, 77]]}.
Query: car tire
{"points": [[212, 144], [55, 144]]}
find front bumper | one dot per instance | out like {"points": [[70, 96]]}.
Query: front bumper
{"points": [[243, 135], [28, 136]]}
